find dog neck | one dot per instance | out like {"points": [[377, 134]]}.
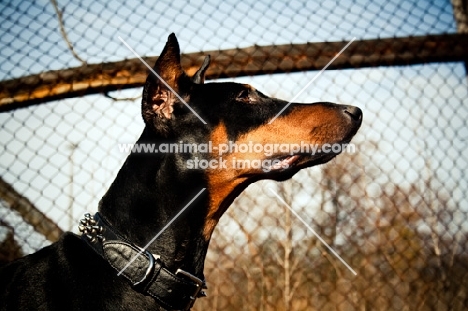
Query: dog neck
{"points": [[147, 193]]}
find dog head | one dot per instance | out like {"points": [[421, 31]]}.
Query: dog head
{"points": [[265, 137]]}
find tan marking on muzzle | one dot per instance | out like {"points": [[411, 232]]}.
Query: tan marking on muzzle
{"points": [[312, 124]]}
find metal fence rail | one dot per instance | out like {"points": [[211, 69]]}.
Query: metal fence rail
{"points": [[394, 210]]}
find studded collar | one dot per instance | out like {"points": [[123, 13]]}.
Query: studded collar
{"points": [[145, 271]]}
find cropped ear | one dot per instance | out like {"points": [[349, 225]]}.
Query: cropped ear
{"points": [[158, 93], [199, 76]]}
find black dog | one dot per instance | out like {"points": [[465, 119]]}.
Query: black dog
{"points": [[106, 268]]}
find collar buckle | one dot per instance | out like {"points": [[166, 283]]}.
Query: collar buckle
{"points": [[200, 285]]}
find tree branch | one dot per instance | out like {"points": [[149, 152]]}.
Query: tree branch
{"points": [[63, 32], [38, 220]]}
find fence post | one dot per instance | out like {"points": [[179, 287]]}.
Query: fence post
{"points": [[460, 13]]}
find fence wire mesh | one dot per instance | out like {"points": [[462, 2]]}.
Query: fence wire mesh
{"points": [[395, 209]]}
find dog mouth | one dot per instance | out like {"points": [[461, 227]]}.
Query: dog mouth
{"points": [[285, 162], [299, 161]]}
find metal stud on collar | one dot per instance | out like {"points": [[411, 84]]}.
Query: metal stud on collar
{"points": [[89, 228]]}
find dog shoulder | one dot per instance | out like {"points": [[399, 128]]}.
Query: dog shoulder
{"points": [[22, 279]]}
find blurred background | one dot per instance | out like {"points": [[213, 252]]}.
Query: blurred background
{"points": [[395, 210]]}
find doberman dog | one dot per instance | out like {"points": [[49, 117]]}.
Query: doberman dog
{"points": [[108, 267]]}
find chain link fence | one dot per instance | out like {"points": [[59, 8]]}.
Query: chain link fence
{"points": [[395, 210]]}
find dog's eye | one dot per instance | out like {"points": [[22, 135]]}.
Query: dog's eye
{"points": [[244, 94], [244, 97]]}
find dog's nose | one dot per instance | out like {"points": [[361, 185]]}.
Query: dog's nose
{"points": [[354, 112]]}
